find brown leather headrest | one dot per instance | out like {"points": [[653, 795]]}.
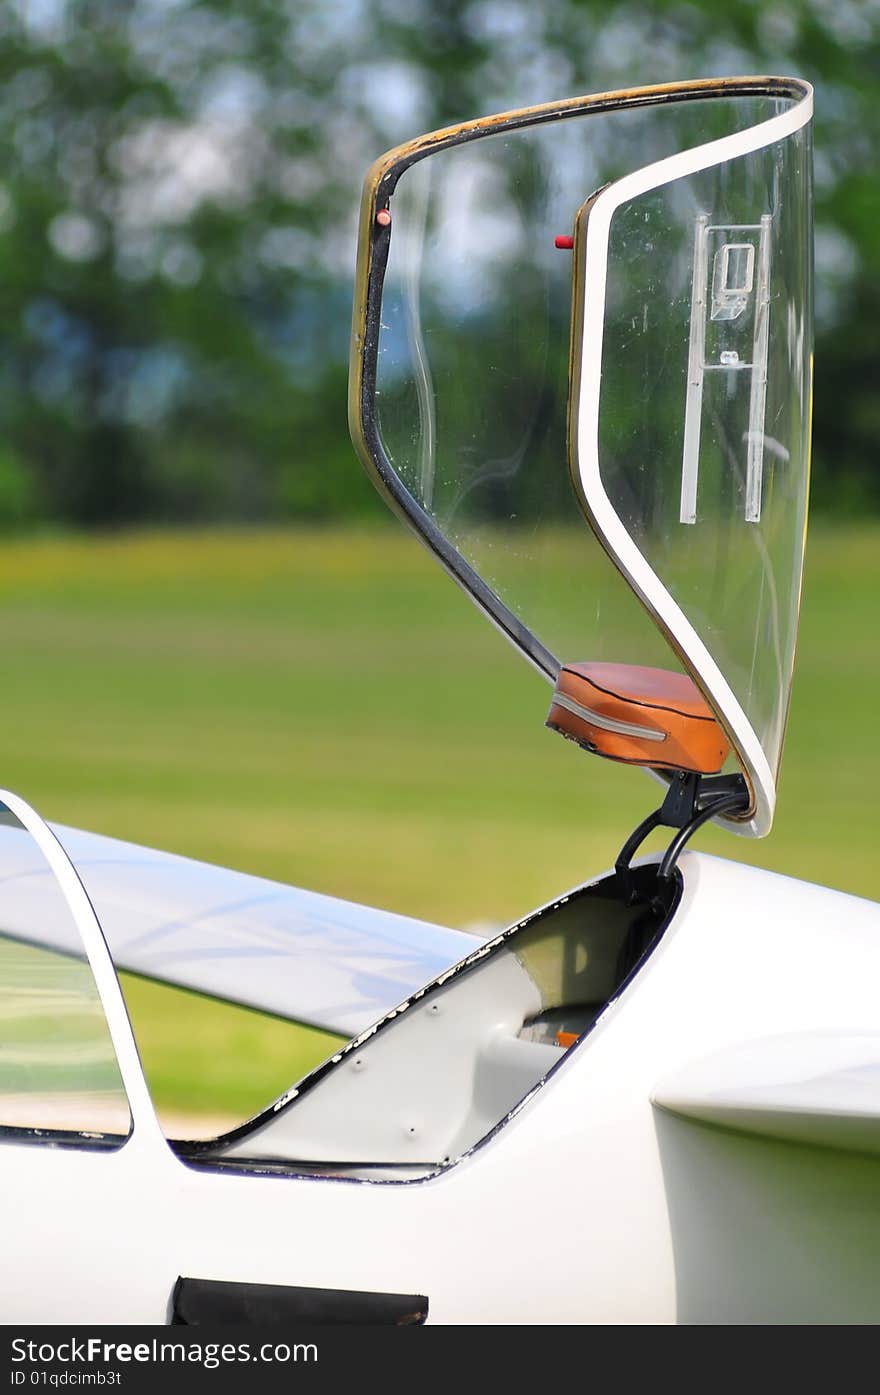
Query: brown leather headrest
{"points": [[644, 716]]}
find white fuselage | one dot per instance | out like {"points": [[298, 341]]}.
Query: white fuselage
{"points": [[593, 1203]]}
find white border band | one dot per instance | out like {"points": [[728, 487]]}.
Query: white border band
{"points": [[145, 1125]]}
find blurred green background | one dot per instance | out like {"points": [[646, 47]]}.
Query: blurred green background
{"points": [[214, 639], [324, 707], [178, 195]]}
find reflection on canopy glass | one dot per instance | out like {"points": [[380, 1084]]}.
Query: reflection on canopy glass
{"points": [[703, 441]]}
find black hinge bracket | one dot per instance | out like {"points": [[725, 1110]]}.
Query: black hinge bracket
{"points": [[691, 800]]}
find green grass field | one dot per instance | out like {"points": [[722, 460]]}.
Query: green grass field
{"points": [[326, 708]]}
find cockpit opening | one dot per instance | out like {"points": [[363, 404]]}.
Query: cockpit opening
{"points": [[445, 1069]]}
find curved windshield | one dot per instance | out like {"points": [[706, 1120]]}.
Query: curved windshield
{"points": [[473, 360], [704, 417], [59, 1078], [671, 407], [697, 470]]}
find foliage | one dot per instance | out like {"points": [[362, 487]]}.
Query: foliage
{"points": [[177, 211]]}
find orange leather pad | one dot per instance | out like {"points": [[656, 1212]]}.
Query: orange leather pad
{"points": [[644, 716]]}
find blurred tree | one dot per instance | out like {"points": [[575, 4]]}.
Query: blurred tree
{"points": [[177, 206]]}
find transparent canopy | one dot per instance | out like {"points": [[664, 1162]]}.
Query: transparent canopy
{"points": [[59, 1076], [690, 384], [697, 364]]}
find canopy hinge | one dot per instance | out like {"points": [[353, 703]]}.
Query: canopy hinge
{"points": [[691, 800]]}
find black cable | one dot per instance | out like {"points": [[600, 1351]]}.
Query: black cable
{"points": [[731, 801]]}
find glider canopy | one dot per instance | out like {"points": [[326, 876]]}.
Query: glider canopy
{"points": [[599, 312]]}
